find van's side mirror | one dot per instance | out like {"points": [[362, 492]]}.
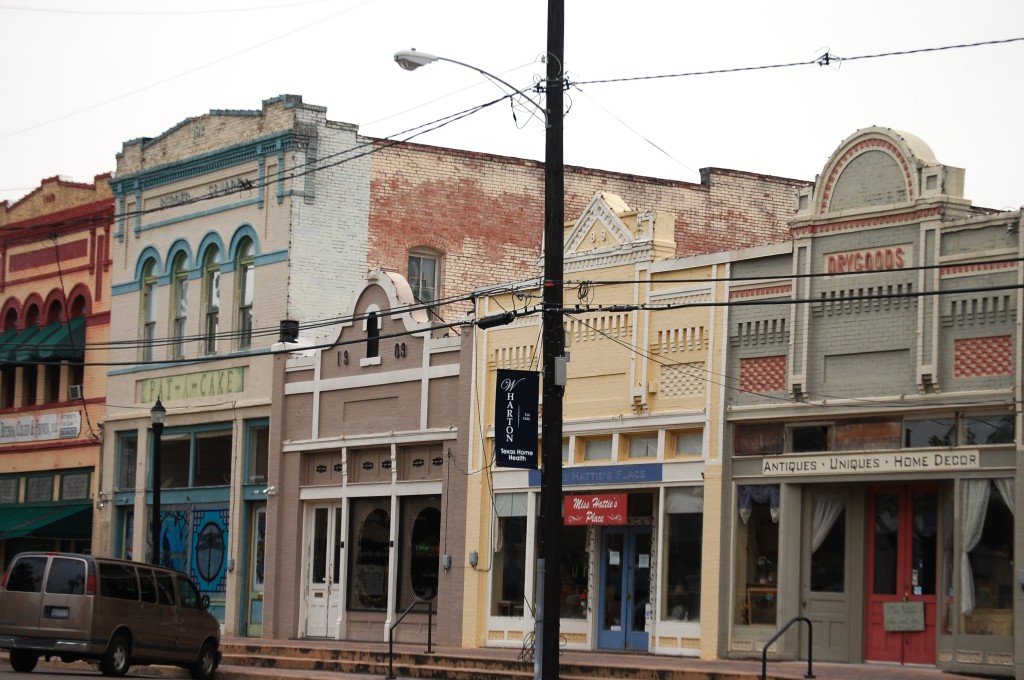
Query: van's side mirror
{"points": [[204, 602]]}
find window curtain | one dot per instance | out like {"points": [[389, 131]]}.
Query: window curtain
{"points": [[975, 505], [1005, 487], [825, 509], [761, 493]]}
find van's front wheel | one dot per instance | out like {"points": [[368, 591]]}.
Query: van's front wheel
{"points": [[115, 662], [23, 661], [206, 664]]}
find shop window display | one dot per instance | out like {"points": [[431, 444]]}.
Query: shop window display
{"points": [[757, 553]]}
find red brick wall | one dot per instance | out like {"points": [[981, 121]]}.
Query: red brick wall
{"points": [[486, 213]]}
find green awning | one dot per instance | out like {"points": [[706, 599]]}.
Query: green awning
{"points": [[28, 350], [67, 343], [9, 352], [67, 520]]}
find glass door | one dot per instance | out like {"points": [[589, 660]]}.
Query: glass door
{"points": [[324, 593], [625, 588]]}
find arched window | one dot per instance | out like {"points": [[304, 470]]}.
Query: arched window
{"points": [[245, 276], [211, 299], [51, 371], [368, 583], [372, 335], [179, 305], [30, 371], [8, 371], [147, 311]]}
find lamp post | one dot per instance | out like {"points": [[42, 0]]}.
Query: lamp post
{"points": [[157, 413], [547, 635]]}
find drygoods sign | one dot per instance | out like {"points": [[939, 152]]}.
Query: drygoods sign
{"points": [[515, 419]]}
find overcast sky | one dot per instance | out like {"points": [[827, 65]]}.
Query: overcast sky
{"points": [[81, 77]]}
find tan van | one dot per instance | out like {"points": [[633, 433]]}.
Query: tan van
{"points": [[114, 612]]}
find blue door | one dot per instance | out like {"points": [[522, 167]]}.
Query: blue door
{"points": [[624, 598]]}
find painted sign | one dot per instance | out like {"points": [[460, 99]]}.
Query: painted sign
{"points": [[604, 509], [515, 419], [41, 427], [192, 385], [883, 258], [868, 463], [587, 475]]}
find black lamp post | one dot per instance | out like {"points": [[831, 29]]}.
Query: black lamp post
{"points": [[157, 412]]}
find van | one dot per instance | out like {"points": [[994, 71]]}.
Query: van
{"points": [[114, 612]]}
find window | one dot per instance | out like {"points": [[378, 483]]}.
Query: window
{"points": [[66, 577], [29, 384], [508, 579], [189, 594], [200, 458], [179, 305], [74, 486], [757, 552], [597, 449], [684, 508], [8, 373], [51, 384], [120, 581], [370, 542], [931, 432], [575, 569], [988, 429], [147, 311], [39, 489], [828, 543], [245, 277], [372, 336], [689, 443], [420, 552], [810, 438], [127, 461], [211, 299], [643, 446], [988, 583], [27, 575], [9, 488], [258, 445], [424, 269]]}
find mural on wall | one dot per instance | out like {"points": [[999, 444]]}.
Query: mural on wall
{"points": [[210, 528], [174, 547]]}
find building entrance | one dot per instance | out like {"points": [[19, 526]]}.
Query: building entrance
{"points": [[625, 588], [324, 592], [902, 574]]}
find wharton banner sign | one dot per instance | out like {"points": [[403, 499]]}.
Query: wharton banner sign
{"points": [[515, 419], [603, 509]]}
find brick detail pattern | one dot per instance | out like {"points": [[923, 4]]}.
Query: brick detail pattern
{"points": [[763, 374], [983, 357], [856, 150], [683, 380]]}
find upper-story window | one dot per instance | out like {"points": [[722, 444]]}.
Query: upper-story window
{"points": [[211, 299], [52, 371], [425, 274], [245, 275], [30, 371], [147, 311], [8, 371], [179, 305], [372, 336]]}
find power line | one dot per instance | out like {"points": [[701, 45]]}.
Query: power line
{"points": [[165, 12]]}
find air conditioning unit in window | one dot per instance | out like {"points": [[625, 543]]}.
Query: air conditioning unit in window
{"points": [[74, 392]]}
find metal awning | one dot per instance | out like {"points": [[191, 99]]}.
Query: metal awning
{"points": [[54, 341]]}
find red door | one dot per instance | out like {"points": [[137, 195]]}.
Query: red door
{"points": [[902, 568]]}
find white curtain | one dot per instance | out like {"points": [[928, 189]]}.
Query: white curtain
{"points": [[975, 506], [1005, 487], [825, 509]]}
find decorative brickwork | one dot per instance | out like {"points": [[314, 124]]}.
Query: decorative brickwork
{"points": [[763, 374], [683, 380], [983, 357]]}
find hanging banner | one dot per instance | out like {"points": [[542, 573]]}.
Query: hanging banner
{"points": [[604, 509], [515, 419]]}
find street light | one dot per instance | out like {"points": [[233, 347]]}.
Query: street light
{"points": [[157, 413], [547, 635]]}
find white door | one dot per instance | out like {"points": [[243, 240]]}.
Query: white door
{"points": [[325, 539]]}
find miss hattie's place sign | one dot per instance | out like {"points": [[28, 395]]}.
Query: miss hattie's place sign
{"points": [[608, 508], [515, 419]]}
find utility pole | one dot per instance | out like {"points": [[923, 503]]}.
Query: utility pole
{"points": [[554, 345]]}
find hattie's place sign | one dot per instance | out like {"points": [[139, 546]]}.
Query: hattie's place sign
{"points": [[606, 509]]}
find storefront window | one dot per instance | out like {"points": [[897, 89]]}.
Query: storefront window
{"points": [[987, 583], [575, 568], [371, 537], [680, 585], [689, 443], [643, 446], [127, 459], [420, 556], [989, 429], [757, 553], [201, 458], [508, 580], [258, 442], [929, 433], [597, 449]]}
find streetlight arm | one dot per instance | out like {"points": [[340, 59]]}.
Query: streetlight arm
{"points": [[411, 60]]}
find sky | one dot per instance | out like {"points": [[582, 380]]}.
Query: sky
{"points": [[81, 77]]}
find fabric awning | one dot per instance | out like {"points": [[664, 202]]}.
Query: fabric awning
{"points": [[54, 341], [67, 520], [67, 343]]}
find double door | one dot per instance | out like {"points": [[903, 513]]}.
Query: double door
{"points": [[624, 605], [902, 576], [324, 590]]}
